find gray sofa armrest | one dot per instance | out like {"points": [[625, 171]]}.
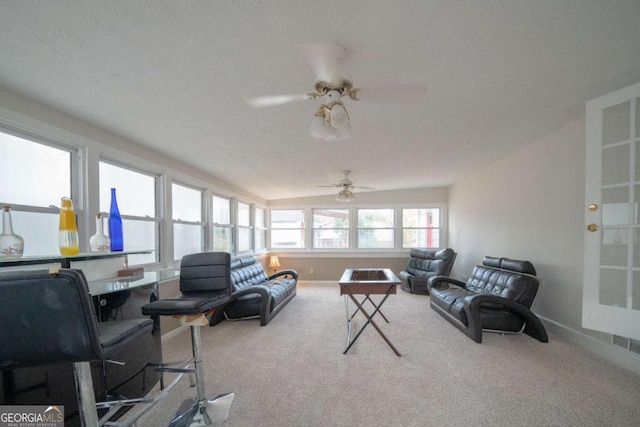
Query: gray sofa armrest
{"points": [[444, 282], [292, 273], [473, 303]]}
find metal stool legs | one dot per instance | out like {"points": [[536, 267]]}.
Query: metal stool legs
{"points": [[84, 390], [201, 410]]}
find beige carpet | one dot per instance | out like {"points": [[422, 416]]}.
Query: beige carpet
{"points": [[292, 373]]}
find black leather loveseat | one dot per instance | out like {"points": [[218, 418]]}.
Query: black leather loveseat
{"points": [[497, 297], [256, 295], [423, 264]]}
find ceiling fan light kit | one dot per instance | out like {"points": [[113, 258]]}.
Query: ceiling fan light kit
{"points": [[345, 195], [331, 121]]}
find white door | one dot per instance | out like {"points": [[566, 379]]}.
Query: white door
{"points": [[611, 298]]}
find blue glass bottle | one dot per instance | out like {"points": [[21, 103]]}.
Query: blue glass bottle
{"points": [[115, 225]]}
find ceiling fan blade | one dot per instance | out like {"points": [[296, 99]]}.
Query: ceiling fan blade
{"points": [[329, 186], [403, 95], [359, 187], [324, 59], [273, 100]]}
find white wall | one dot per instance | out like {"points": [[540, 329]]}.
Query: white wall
{"points": [[530, 205]]}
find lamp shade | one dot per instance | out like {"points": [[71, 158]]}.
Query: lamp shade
{"points": [[274, 262]]}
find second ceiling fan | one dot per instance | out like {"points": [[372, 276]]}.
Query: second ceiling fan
{"points": [[331, 121], [346, 185]]}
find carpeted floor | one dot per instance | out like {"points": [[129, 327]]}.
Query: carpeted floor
{"points": [[292, 373]]}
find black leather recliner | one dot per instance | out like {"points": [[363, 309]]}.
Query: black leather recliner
{"points": [[498, 296], [423, 264]]}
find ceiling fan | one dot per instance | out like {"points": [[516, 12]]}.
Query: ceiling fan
{"points": [[331, 121], [346, 185]]}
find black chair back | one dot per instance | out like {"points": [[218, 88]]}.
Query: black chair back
{"points": [[206, 272], [46, 317]]}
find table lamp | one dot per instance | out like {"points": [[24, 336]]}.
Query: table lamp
{"points": [[274, 263]]}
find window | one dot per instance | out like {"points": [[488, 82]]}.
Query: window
{"points": [[330, 228], [260, 230], [244, 227], [222, 230], [376, 229], [287, 229], [40, 175], [188, 227], [421, 227], [136, 197]]}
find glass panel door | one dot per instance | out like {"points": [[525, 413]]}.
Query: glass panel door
{"points": [[612, 254]]}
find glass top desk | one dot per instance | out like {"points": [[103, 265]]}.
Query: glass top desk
{"points": [[367, 281]]}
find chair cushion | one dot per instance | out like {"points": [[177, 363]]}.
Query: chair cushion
{"points": [[187, 303], [116, 335]]}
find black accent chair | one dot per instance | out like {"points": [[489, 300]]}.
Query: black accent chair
{"points": [[423, 264], [48, 317], [205, 286], [497, 297]]}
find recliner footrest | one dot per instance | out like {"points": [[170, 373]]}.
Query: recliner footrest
{"points": [[185, 304]]}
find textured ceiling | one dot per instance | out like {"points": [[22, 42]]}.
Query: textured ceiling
{"points": [[171, 75]]}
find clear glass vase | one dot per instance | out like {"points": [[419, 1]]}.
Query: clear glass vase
{"points": [[11, 245], [99, 242]]}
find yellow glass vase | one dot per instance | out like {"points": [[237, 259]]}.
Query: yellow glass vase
{"points": [[68, 236]]}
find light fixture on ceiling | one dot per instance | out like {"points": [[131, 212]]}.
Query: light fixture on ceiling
{"points": [[345, 195], [331, 121]]}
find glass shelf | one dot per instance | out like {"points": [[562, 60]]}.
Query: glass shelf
{"points": [[64, 260]]}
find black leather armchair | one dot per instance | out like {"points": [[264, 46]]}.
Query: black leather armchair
{"points": [[497, 297], [423, 264]]}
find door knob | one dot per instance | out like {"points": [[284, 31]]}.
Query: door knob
{"points": [[592, 227]]}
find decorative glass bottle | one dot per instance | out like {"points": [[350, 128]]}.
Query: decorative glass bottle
{"points": [[99, 242], [68, 235], [115, 224], [11, 245]]}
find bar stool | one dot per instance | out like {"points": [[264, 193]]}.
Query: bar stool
{"points": [[205, 285], [48, 317]]}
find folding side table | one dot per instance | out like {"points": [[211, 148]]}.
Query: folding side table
{"points": [[367, 282]]}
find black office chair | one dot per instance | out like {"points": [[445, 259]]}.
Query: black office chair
{"points": [[48, 317], [205, 285]]}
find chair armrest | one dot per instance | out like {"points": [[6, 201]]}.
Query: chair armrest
{"points": [[533, 325], [444, 282], [292, 273]]}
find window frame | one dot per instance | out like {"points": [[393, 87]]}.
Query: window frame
{"points": [[439, 228], [76, 178], [229, 227], [159, 206], [315, 228], [241, 227], [302, 230], [260, 229], [202, 223]]}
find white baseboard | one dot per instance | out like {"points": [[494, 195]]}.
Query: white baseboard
{"points": [[608, 351]]}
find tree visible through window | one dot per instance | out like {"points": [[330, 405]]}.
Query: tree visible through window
{"points": [[376, 228], [330, 228]]}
